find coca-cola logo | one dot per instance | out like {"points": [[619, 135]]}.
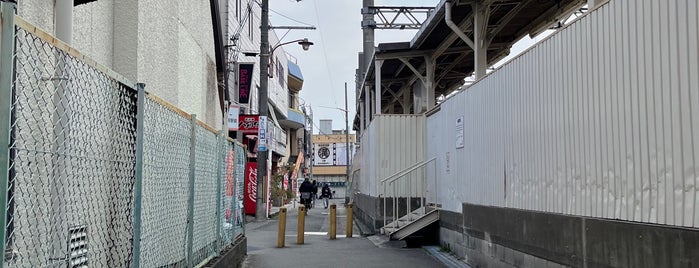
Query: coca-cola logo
{"points": [[249, 123], [252, 184]]}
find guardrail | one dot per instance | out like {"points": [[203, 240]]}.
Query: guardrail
{"points": [[408, 183]]}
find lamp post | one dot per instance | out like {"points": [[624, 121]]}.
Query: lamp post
{"points": [[262, 102], [347, 146]]}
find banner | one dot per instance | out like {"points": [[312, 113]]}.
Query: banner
{"points": [[248, 123], [244, 81], [233, 117], [331, 154], [299, 160], [250, 188]]}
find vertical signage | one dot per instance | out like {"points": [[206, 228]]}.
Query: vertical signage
{"points": [[250, 188], [262, 135], [460, 132], [244, 82], [233, 119]]}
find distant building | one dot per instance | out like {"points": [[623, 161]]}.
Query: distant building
{"points": [[326, 126], [329, 157]]}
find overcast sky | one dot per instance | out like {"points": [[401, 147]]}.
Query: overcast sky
{"points": [[332, 60]]}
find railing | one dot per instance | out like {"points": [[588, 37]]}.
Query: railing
{"points": [[408, 183], [97, 172]]}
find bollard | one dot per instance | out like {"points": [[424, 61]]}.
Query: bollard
{"points": [[302, 222], [281, 230], [333, 221], [349, 220]]}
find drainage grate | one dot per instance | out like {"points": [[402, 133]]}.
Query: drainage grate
{"points": [[77, 246]]}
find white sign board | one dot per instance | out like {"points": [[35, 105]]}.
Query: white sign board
{"points": [[262, 134], [233, 112], [460, 132]]}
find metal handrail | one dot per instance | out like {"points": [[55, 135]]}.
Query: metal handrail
{"points": [[400, 174], [391, 181]]}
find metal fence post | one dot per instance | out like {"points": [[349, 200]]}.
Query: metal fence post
{"points": [[7, 41], [138, 183], [190, 207], [220, 177]]}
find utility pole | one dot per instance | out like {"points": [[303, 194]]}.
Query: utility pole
{"points": [[263, 110], [347, 148]]}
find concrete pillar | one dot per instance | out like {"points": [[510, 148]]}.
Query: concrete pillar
{"points": [[377, 76], [406, 100], [368, 25], [418, 97], [429, 83], [480, 24]]}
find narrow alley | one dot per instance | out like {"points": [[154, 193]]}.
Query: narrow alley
{"points": [[319, 251]]}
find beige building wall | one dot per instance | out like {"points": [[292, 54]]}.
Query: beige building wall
{"points": [[331, 171], [168, 45]]}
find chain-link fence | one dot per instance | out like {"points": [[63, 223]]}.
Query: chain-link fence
{"points": [[101, 174]]}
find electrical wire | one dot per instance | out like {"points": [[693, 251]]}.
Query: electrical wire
{"points": [[285, 16], [325, 55]]}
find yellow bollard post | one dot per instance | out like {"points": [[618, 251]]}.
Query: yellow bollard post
{"points": [[301, 222], [333, 221], [281, 230], [349, 220]]}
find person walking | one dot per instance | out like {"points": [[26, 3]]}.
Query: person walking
{"points": [[326, 194], [315, 191]]}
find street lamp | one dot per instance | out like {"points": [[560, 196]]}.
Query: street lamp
{"points": [[262, 101], [305, 44], [347, 146]]}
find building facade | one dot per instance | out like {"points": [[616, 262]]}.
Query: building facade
{"points": [[167, 45], [330, 159]]}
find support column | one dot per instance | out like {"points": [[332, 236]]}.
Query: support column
{"points": [[377, 86], [429, 83], [406, 100], [368, 25], [480, 42], [367, 106], [418, 97]]}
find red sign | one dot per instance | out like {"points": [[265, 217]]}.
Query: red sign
{"points": [[248, 123], [250, 197]]}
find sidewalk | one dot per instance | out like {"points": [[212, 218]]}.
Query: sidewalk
{"points": [[319, 251]]}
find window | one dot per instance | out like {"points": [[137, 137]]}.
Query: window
{"points": [[280, 73], [291, 101]]}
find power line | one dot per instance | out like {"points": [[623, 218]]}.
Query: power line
{"points": [[285, 16]]}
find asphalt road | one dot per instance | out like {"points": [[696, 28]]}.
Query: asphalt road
{"points": [[319, 251]]}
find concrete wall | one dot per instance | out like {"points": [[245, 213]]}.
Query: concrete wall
{"points": [[528, 238], [167, 45]]}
